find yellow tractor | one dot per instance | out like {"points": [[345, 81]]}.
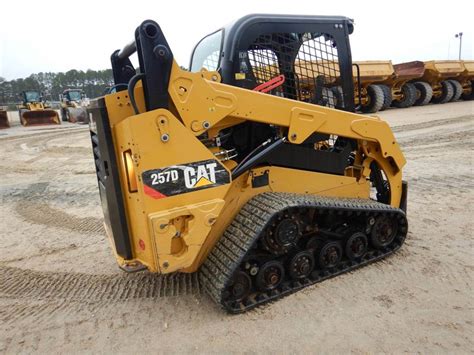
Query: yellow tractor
{"points": [[34, 111], [72, 106], [236, 171]]}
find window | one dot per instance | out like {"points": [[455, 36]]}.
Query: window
{"points": [[207, 53]]}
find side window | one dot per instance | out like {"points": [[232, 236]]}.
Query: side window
{"points": [[316, 69], [307, 61], [207, 53]]}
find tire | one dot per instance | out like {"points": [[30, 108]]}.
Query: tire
{"points": [[63, 115], [387, 96], [469, 96], [409, 96], [457, 90], [376, 99], [424, 93], [447, 92]]}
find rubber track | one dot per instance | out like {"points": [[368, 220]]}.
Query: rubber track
{"points": [[244, 231]]}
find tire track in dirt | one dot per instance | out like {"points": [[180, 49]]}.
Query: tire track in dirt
{"points": [[31, 204], [35, 286], [48, 216], [430, 124]]}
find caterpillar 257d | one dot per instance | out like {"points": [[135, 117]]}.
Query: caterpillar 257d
{"points": [[34, 111], [240, 169]]}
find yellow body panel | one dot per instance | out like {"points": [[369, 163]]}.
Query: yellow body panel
{"points": [[177, 232]]}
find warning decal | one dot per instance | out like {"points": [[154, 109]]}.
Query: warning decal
{"points": [[179, 179]]}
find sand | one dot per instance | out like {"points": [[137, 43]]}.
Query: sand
{"points": [[61, 291]]}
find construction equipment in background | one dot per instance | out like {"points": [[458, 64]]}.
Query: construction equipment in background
{"points": [[370, 95], [399, 92], [437, 80], [4, 117], [73, 107], [240, 170], [34, 111], [466, 80]]}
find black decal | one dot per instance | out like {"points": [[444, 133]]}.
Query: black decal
{"points": [[179, 179]]}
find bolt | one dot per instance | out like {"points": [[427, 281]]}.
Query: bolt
{"points": [[293, 136], [372, 221], [206, 124], [165, 138], [214, 78], [166, 264]]}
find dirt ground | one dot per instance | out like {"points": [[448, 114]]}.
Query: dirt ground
{"points": [[60, 289]]}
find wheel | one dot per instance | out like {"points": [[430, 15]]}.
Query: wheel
{"points": [[270, 275], [383, 232], [241, 286], [338, 96], [283, 237], [63, 115], [447, 92], [457, 90], [424, 93], [356, 246], [375, 98], [329, 255], [387, 96], [301, 265], [470, 95], [408, 96]]}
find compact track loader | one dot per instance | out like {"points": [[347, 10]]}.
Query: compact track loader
{"points": [[34, 111], [72, 107], [239, 169]]}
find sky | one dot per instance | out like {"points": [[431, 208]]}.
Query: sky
{"points": [[62, 35]]}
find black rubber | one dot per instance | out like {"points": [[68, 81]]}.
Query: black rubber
{"points": [[469, 95], [240, 244], [375, 99], [457, 90], [387, 96], [408, 96], [424, 93], [447, 92]]}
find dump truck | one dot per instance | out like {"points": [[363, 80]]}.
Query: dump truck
{"points": [[234, 171], [370, 95], [4, 117], [466, 80], [399, 91], [73, 107], [438, 81], [34, 111]]}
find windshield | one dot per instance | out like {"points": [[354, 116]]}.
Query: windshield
{"points": [[32, 96], [207, 53], [74, 95]]}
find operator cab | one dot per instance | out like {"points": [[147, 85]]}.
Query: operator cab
{"points": [[304, 58], [73, 95], [31, 96]]}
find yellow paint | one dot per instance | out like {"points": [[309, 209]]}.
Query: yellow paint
{"points": [[179, 231]]}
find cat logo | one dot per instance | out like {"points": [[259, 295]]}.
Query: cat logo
{"points": [[179, 179], [200, 176]]}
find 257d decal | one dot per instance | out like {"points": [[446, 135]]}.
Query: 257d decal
{"points": [[179, 179]]}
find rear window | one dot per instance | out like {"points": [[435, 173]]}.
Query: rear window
{"points": [[207, 53]]}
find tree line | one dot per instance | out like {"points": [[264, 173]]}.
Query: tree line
{"points": [[93, 82]]}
